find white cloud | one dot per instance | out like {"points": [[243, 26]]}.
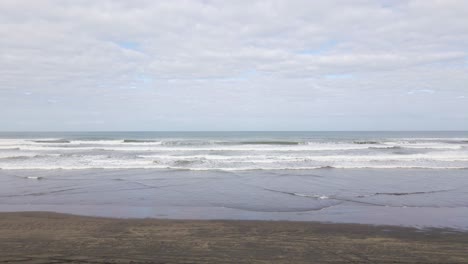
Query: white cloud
{"points": [[265, 59], [422, 91]]}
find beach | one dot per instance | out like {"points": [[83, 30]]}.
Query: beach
{"points": [[264, 131], [40, 237], [243, 197]]}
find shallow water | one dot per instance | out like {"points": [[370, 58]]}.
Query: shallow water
{"points": [[410, 197]]}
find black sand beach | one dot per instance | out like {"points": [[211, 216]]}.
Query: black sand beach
{"points": [[40, 237], [131, 213], [264, 131]]}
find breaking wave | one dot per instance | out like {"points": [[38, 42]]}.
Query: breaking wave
{"points": [[233, 154], [139, 141], [52, 141]]}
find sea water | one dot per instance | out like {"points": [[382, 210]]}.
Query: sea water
{"points": [[234, 150], [399, 178]]}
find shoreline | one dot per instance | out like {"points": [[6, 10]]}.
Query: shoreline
{"points": [[449, 229], [44, 237], [378, 197]]}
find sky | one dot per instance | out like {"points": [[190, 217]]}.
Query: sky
{"points": [[87, 65]]}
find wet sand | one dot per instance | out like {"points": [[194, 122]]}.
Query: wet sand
{"points": [[39, 237]]}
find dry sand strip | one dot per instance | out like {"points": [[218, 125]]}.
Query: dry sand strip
{"points": [[37, 237]]}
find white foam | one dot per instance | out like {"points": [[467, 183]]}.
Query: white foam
{"points": [[247, 168], [34, 177], [120, 145], [82, 154]]}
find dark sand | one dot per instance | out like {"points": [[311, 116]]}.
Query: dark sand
{"points": [[34, 237]]}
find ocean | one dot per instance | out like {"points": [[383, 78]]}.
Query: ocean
{"points": [[234, 150], [398, 178]]}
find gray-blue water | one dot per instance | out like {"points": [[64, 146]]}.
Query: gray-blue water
{"points": [[401, 178]]}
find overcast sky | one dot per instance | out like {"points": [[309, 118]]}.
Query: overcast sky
{"points": [[233, 65]]}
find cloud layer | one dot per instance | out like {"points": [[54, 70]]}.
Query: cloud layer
{"points": [[234, 65]]}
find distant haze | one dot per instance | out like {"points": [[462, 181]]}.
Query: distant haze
{"points": [[233, 65]]}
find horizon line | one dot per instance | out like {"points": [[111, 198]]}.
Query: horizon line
{"points": [[167, 131]]}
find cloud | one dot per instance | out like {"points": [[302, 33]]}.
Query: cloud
{"points": [[128, 45], [339, 76], [422, 91], [188, 60]]}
